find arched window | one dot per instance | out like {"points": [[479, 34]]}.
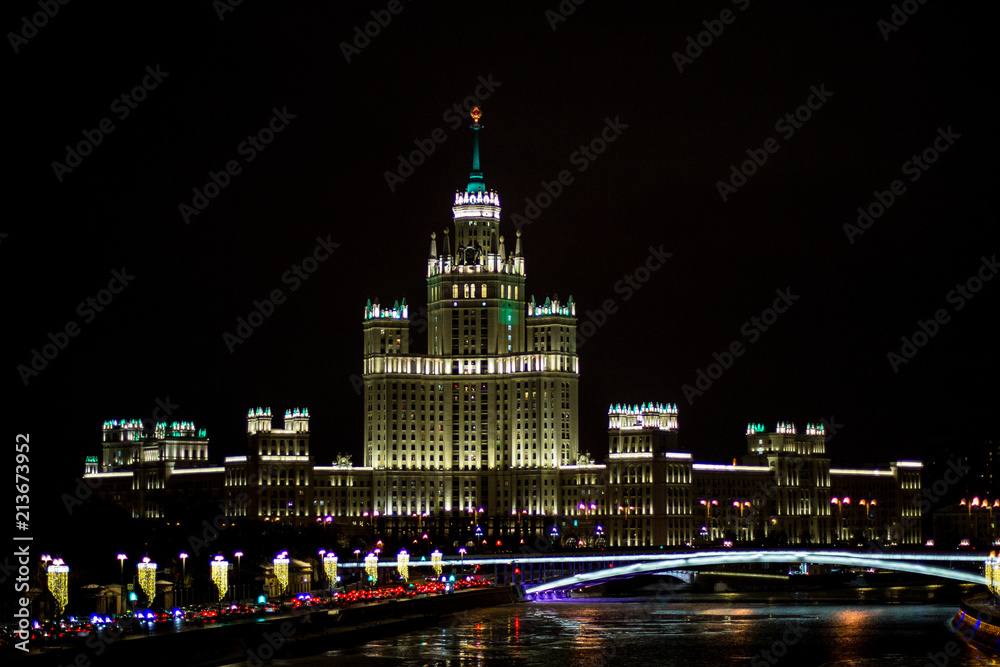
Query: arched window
{"points": [[454, 291], [484, 290], [466, 291]]}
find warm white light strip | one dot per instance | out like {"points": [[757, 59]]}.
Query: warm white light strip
{"points": [[713, 467], [855, 471], [196, 471]]}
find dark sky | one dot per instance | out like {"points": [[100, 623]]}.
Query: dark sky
{"points": [[655, 185]]}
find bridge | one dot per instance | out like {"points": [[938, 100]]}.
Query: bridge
{"points": [[542, 574]]}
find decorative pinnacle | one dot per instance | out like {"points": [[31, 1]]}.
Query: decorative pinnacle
{"points": [[476, 177]]}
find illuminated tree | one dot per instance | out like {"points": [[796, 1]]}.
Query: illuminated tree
{"points": [[59, 584], [220, 575], [147, 578]]}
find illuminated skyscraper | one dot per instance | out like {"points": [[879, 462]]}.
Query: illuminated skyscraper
{"points": [[488, 414]]}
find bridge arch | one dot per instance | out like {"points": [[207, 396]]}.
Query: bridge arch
{"points": [[898, 562]]}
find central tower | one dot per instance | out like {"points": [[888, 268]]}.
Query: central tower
{"points": [[486, 418]]}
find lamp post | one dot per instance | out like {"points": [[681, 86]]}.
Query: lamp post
{"points": [[708, 508], [183, 556], [280, 564], [220, 576], [840, 502], [742, 504], [371, 568], [58, 582], [121, 559], [239, 571], [45, 559], [330, 569], [322, 553], [461, 558]]}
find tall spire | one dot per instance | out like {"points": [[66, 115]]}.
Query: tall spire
{"points": [[476, 183]]}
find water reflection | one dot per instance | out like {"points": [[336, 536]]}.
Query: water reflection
{"points": [[857, 627]]}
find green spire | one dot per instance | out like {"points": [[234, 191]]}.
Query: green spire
{"points": [[476, 183]]}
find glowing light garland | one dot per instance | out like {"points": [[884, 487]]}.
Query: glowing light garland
{"points": [[371, 566], [281, 573], [220, 575], [59, 585], [147, 578], [436, 562], [403, 564], [992, 572], [330, 568]]}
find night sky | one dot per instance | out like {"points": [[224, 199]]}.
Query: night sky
{"points": [[886, 96]]}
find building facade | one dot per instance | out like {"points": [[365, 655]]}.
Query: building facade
{"points": [[476, 439]]}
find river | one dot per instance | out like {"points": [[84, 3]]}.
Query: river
{"points": [[907, 626]]}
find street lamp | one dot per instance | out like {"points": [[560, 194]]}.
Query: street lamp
{"points": [[840, 502], [322, 552], [239, 571], [58, 581], [281, 572], [371, 568], [183, 556], [708, 507], [147, 579], [461, 557], [220, 576], [121, 559], [742, 505], [330, 568]]}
